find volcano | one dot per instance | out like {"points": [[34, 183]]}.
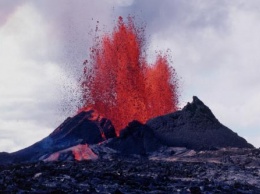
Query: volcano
{"points": [[87, 134]]}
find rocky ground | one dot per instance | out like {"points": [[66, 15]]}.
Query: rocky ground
{"points": [[130, 175]]}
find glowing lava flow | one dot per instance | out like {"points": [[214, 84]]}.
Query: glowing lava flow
{"points": [[119, 83]]}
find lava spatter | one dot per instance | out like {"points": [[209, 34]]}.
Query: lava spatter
{"points": [[120, 84]]}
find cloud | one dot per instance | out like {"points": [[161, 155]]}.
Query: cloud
{"points": [[8, 8], [17, 134], [28, 84], [74, 25]]}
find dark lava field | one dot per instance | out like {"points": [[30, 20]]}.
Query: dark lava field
{"points": [[129, 175]]}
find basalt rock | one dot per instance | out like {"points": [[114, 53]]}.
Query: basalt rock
{"points": [[195, 127], [136, 138], [128, 176]]}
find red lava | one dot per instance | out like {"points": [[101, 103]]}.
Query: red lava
{"points": [[119, 83]]}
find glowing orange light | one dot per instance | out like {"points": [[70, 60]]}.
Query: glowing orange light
{"points": [[119, 84]]}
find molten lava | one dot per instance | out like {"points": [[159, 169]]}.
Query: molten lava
{"points": [[119, 83]]}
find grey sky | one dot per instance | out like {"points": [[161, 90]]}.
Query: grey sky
{"points": [[214, 46]]}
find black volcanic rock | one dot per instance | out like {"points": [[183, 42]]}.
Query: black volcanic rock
{"points": [[5, 157], [195, 127], [84, 128], [136, 138], [129, 175]]}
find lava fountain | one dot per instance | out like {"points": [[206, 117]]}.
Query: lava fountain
{"points": [[120, 84]]}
